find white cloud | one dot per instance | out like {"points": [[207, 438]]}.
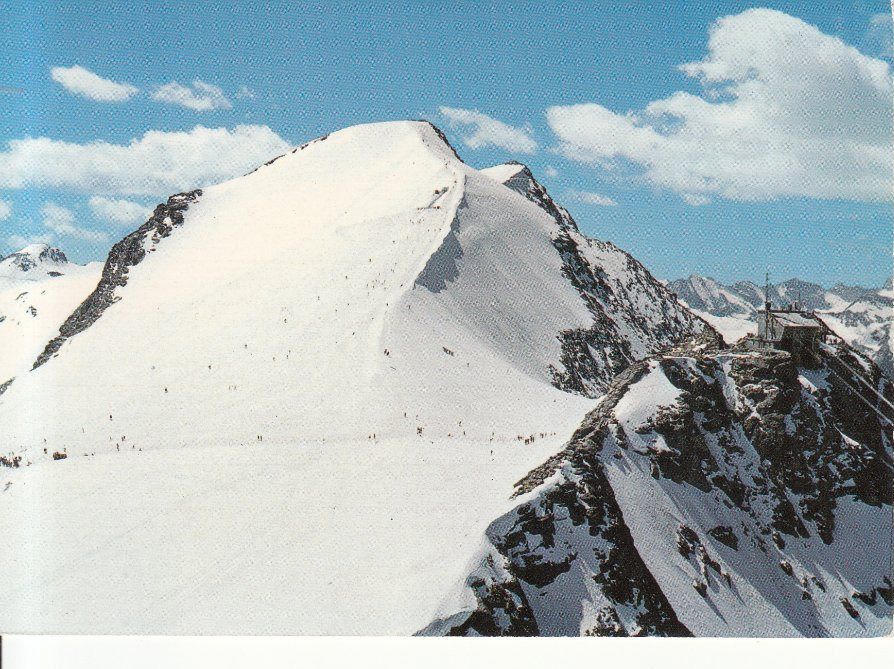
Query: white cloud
{"points": [[83, 82], [123, 212], [157, 164], [61, 221], [787, 111], [5, 210], [551, 171], [588, 197], [480, 130], [201, 97], [245, 93], [880, 34], [695, 200]]}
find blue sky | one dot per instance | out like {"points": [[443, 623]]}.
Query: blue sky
{"points": [[681, 184]]}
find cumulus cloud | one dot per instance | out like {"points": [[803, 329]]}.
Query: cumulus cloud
{"points": [[551, 171], [480, 130], [61, 221], [122, 212], [588, 197], [83, 82], [5, 210], [786, 110], [201, 96], [158, 163]]}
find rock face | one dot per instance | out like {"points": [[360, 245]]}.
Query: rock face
{"points": [[861, 316], [712, 491]]}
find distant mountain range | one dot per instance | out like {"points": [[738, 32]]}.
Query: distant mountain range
{"points": [[861, 316]]}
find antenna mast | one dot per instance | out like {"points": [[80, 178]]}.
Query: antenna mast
{"points": [[767, 304]]}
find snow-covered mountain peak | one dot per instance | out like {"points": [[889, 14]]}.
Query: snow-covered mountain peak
{"points": [[507, 171], [34, 261], [370, 143]]}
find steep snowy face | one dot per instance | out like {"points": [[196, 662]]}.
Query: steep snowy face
{"points": [[861, 316], [631, 312], [711, 492], [39, 288]]}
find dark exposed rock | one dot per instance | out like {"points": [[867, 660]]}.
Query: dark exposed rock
{"points": [[443, 138], [124, 255], [687, 540], [607, 624], [581, 511], [726, 536], [32, 256], [505, 597], [849, 607], [701, 588]]}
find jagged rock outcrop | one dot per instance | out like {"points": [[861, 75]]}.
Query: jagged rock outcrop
{"points": [[715, 491], [125, 254]]}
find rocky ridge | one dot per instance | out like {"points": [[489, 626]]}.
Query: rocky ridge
{"points": [[713, 491]]}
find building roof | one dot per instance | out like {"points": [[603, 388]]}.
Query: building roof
{"points": [[793, 319]]}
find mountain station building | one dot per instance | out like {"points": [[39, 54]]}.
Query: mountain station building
{"points": [[791, 330]]}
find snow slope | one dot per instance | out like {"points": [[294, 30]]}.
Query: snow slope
{"points": [[296, 399], [39, 288]]}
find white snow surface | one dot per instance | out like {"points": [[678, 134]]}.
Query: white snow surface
{"points": [[34, 303], [733, 327], [632, 412], [347, 538], [243, 425], [503, 173]]}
